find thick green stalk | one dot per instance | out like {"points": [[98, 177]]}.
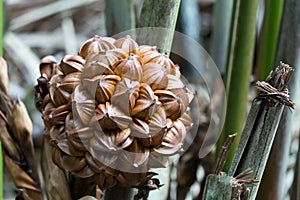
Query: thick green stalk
{"points": [[288, 51], [158, 13], [232, 35], [239, 66], [268, 37], [1, 52], [119, 16]]}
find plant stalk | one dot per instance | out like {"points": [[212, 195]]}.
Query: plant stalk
{"points": [[119, 16], [268, 38], [158, 13], [239, 66], [288, 50]]}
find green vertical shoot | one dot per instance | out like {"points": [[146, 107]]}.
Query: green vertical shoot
{"points": [[268, 37], [239, 67], [161, 14]]}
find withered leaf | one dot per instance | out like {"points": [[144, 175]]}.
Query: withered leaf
{"points": [[86, 172], [3, 76], [158, 123], [8, 143], [111, 57], [57, 185], [20, 178], [95, 166], [22, 128]]}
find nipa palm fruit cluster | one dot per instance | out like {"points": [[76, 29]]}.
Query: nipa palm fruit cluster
{"points": [[113, 111]]}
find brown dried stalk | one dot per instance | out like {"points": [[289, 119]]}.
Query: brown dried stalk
{"points": [[273, 94], [16, 137]]}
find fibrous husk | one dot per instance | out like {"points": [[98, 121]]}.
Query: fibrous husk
{"points": [[47, 66], [114, 109], [96, 45], [127, 43]]}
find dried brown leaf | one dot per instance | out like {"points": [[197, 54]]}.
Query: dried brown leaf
{"points": [[22, 128], [21, 179], [8, 143], [3, 76], [57, 187]]}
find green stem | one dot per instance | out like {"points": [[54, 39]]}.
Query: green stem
{"points": [[119, 16], [158, 13], [239, 66], [268, 38]]}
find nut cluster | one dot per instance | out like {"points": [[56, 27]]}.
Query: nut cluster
{"points": [[114, 111]]}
